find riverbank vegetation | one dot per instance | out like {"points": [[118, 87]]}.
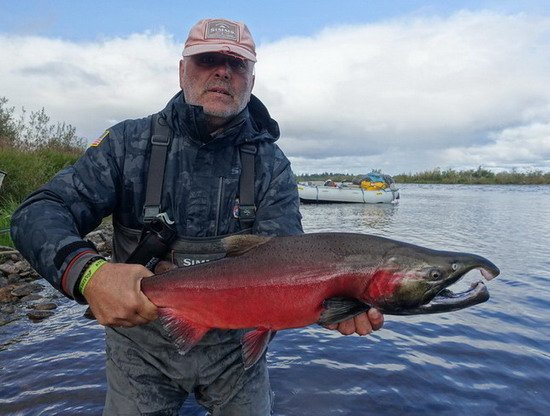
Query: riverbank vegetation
{"points": [[32, 150], [479, 176]]}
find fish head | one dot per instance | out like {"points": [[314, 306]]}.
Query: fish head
{"points": [[415, 280]]}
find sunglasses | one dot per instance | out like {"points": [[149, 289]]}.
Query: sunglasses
{"points": [[214, 60]]}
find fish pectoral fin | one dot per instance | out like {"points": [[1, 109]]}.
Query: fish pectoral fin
{"points": [[235, 245], [254, 345], [183, 332], [340, 309]]}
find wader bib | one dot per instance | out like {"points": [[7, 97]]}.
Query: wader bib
{"points": [[145, 372]]}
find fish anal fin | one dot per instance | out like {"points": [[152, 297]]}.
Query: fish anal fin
{"points": [[339, 309], [254, 345], [235, 245], [183, 332]]}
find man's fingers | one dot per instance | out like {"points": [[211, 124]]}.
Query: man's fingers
{"points": [[347, 327], [147, 309], [376, 318], [362, 324]]}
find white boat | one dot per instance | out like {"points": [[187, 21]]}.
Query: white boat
{"points": [[367, 191]]}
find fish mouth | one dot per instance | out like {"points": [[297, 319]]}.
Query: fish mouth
{"points": [[447, 300], [442, 299]]}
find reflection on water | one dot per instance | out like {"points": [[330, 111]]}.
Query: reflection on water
{"points": [[331, 217], [487, 360]]}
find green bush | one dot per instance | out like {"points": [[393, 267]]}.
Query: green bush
{"points": [[32, 151], [26, 171]]}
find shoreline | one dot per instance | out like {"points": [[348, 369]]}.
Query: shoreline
{"points": [[23, 291]]}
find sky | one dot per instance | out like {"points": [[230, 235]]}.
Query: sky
{"points": [[401, 86]]}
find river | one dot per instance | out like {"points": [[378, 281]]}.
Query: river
{"points": [[490, 359]]}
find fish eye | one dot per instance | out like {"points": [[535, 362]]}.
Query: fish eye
{"points": [[454, 266], [435, 274]]}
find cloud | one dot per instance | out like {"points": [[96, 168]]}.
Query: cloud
{"points": [[90, 85], [408, 88], [526, 147], [402, 95]]}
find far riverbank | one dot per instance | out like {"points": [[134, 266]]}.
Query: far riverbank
{"points": [[479, 176]]}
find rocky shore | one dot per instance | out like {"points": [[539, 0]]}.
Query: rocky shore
{"points": [[23, 291]]}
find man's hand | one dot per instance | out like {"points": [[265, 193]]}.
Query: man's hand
{"points": [[115, 297], [362, 324]]}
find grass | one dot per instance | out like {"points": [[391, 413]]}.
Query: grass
{"points": [[6, 211], [26, 171]]}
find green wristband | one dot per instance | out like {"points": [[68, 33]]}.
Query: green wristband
{"points": [[90, 271]]}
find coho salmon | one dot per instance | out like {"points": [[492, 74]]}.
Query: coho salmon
{"points": [[273, 283]]}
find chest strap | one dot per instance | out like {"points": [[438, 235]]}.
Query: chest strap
{"points": [[247, 206], [161, 136]]}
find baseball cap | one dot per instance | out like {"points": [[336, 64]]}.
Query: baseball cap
{"points": [[220, 35]]}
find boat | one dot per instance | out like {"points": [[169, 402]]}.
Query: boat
{"points": [[372, 188]]}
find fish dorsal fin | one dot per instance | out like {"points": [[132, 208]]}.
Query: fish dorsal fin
{"points": [[340, 309], [235, 245], [184, 333], [254, 345]]}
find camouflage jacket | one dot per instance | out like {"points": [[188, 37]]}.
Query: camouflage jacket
{"points": [[200, 190]]}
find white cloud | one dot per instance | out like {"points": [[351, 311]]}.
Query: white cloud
{"points": [[405, 89], [90, 85], [403, 95]]}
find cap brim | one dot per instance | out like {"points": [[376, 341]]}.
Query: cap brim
{"points": [[218, 47]]}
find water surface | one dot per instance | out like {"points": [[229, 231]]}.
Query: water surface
{"points": [[491, 359]]}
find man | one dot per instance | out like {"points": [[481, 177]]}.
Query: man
{"points": [[213, 124]]}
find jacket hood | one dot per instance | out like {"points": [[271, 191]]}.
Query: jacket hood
{"points": [[253, 123]]}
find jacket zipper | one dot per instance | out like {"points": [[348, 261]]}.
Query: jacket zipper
{"points": [[219, 205]]}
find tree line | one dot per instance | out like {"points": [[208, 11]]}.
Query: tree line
{"points": [[479, 176]]}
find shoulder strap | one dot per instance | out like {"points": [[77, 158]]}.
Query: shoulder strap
{"points": [[161, 136], [247, 206]]}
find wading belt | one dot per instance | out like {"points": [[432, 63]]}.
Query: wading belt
{"points": [[157, 235]]}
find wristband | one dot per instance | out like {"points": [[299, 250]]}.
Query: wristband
{"points": [[89, 272]]}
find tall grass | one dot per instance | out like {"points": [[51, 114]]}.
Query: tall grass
{"points": [[6, 211], [32, 151], [27, 171]]}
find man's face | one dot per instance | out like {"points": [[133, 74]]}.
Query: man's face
{"points": [[220, 83]]}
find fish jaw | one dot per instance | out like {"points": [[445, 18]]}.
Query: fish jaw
{"points": [[447, 301], [420, 286]]}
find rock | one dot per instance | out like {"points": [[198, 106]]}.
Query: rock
{"points": [[13, 278], [5, 294], [38, 315], [43, 306], [31, 298], [36, 287], [18, 282], [22, 265], [7, 309], [8, 267], [22, 290]]}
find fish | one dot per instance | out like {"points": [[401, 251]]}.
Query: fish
{"points": [[267, 284]]}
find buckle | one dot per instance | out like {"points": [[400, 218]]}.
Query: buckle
{"points": [[247, 212], [150, 212], [160, 140]]}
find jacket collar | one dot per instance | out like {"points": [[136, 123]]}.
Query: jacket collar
{"points": [[252, 124]]}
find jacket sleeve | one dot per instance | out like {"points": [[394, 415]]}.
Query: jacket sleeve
{"points": [[278, 211], [49, 226]]}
